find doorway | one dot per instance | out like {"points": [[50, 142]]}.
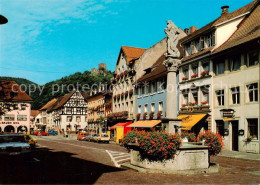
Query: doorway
{"points": [[234, 135], [9, 129]]}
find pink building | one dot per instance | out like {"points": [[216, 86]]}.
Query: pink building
{"points": [[15, 107]]}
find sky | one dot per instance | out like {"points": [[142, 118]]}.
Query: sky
{"points": [[45, 40]]}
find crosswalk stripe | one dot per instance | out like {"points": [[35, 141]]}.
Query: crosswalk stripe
{"points": [[118, 157]]}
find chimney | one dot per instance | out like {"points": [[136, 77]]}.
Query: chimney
{"points": [[224, 9], [193, 29], [186, 30]]}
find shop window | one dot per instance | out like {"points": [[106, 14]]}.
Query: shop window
{"points": [[252, 58], [253, 92], [220, 127], [253, 127], [235, 63], [21, 117], [9, 117], [220, 97], [235, 93]]}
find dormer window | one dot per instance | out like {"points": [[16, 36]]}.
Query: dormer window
{"points": [[202, 44], [188, 49], [208, 40], [197, 45]]}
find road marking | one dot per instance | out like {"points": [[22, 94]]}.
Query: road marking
{"points": [[118, 157]]}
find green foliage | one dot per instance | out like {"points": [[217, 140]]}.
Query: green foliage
{"points": [[213, 140], [43, 94]]}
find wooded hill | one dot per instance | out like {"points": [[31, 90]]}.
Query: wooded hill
{"points": [[41, 94]]}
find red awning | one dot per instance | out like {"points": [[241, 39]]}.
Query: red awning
{"points": [[120, 125]]}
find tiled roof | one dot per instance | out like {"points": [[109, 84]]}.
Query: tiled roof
{"points": [[207, 50], [224, 17], [248, 30], [9, 87], [49, 104], [157, 70], [132, 52], [35, 112]]}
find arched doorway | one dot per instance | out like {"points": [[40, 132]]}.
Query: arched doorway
{"points": [[22, 129], [9, 128]]}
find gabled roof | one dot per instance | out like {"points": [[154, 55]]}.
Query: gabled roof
{"points": [[157, 70], [247, 31], [130, 53], [7, 88], [35, 112], [49, 104], [224, 17], [205, 51]]}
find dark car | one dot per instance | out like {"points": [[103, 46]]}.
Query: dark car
{"points": [[90, 137], [14, 145], [53, 132]]}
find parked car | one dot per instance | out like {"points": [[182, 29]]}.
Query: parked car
{"points": [[90, 137], [81, 136], [41, 133], [30, 140], [53, 132], [104, 138], [14, 145]]}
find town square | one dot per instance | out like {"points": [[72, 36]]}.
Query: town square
{"points": [[113, 92]]}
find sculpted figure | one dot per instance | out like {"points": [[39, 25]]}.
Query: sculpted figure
{"points": [[172, 39]]}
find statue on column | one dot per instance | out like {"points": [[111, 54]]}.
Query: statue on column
{"points": [[172, 33]]}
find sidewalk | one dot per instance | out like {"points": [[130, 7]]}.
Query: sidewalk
{"points": [[240, 155]]}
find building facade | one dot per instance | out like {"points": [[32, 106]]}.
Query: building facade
{"points": [[17, 108], [236, 86]]}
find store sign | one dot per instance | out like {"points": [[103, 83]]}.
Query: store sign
{"points": [[227, 114], [9, 122]]}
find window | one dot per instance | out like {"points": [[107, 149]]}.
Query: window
{"points": [[146, 108], [205, 66], [205, 94], [195, 97], [253, 127], [186, 72], [78, 119], [220, 127], [152, 107], [198, 45], [78, 110], [143, 89], [235, 93], [235, 63], [185, 99], [188, 49], [9, 117], [202, 43], [21, 118], [220, 97], [253, 92], [220, 68], [161, 106], [69, 111], [252, 58], [154, 87], [195, 69], [139, 109], [69, 118], [209, 40], [148, 88]]}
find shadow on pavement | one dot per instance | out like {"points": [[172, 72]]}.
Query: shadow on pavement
{"points": [[51, 168]]}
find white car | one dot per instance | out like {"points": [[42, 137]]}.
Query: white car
{"points": [[102, 138]]}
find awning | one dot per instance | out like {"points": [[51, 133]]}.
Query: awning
{"points": [[145, 123], [120, 125], [188, 121]]}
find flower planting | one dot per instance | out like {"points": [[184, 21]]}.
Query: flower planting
{"points": [[184, 78], [213, 140], [138, 116], [190, 136], [204, 73], [151, 115], [183, 105], [204, 102], [144, 116], [159, 114], [154, 145], [194, 76]]}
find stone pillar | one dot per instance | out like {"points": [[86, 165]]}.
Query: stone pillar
{"points": [[171, 63]]}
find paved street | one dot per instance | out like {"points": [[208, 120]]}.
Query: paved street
{"points": [[80, 162]]}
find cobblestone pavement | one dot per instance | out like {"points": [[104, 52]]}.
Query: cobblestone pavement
{"points": [[81, 162]]}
